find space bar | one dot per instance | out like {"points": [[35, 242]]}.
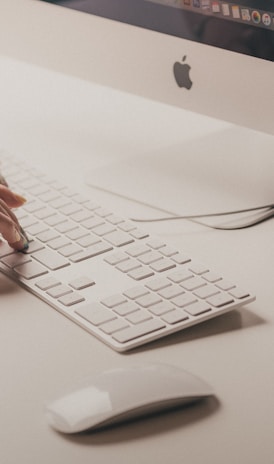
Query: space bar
{"points": [[137, 331]]}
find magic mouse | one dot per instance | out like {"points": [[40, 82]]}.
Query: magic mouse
{"points": [[122, 394]]}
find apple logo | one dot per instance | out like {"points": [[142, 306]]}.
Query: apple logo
{"points": [[181, 74]]}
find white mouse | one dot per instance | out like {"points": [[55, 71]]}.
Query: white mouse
{"points": [[123, 394]]}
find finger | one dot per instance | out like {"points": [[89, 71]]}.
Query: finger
{"points": [[6, 210], [12, 219], [11, 234], [12, 199]]}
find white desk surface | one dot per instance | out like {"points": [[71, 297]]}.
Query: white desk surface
{"points": [[54, 120]]}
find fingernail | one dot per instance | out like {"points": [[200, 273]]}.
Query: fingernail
{"points": [[19, 197], [16, 236], [24, 235], [25, 243], [20, 237]]}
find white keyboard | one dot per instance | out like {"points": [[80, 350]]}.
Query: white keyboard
{"points": [[104, 273]]}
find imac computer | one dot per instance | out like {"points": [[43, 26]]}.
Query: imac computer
{"points": [[205, 57]]}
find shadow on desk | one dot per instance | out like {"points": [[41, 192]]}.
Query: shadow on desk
{"points": [[232, 321], [152, 425]]}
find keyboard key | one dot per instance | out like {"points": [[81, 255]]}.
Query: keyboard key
{"points": [[220, 300], [66, 226], [155, 243], [103, 229], [138, 331], [238, 293], [175, 316], [168, 251], [162, 265], [158, 284], [50, 259], [127, 226], [92, 222], [126, 308], [91, 205], [113, 301], [59, 290], [161, 308], [28, 221], [200, 307], [212, 277], [20, 213], [47, 283], [184, 300], [141, 273], [49, 196], [55, 219], [116, 258], [96, 314], [206, 291], [115, 220], [148, 300], [88, 240], [44, 213], [198, 268], [103, 212], [70, 209], [181, 258], [69, 250], [193, 283], [82, 282], [71, 299], [59, 203], [58, 243], [139, 234], [81, 215], [136, 292], [171, 292], [119, 238], [77, 233], [37, 228], [80, 198], [225, 285], [150, 257], [39, 189], [128, 265], [180, 276], [15, 259], [90, 252], [33, 246], [139, 316], [33, 206], [30, 270], [138, 250], [114, 326], [48, 235]]}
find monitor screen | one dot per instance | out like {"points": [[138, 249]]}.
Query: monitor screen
{"points": [[245, 26], [213, 57]]}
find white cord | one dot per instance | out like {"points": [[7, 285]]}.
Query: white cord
{"points": [[266, 210]]}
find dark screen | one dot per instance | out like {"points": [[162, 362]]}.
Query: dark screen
{"points": [[191, 20]]}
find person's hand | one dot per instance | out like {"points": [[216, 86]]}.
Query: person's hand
{"points": [[10, 228]]}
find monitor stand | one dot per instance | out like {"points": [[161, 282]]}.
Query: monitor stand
{"points": [[230, 169]]}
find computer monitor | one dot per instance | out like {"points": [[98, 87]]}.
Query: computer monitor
{"points": [[211, 57]]}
